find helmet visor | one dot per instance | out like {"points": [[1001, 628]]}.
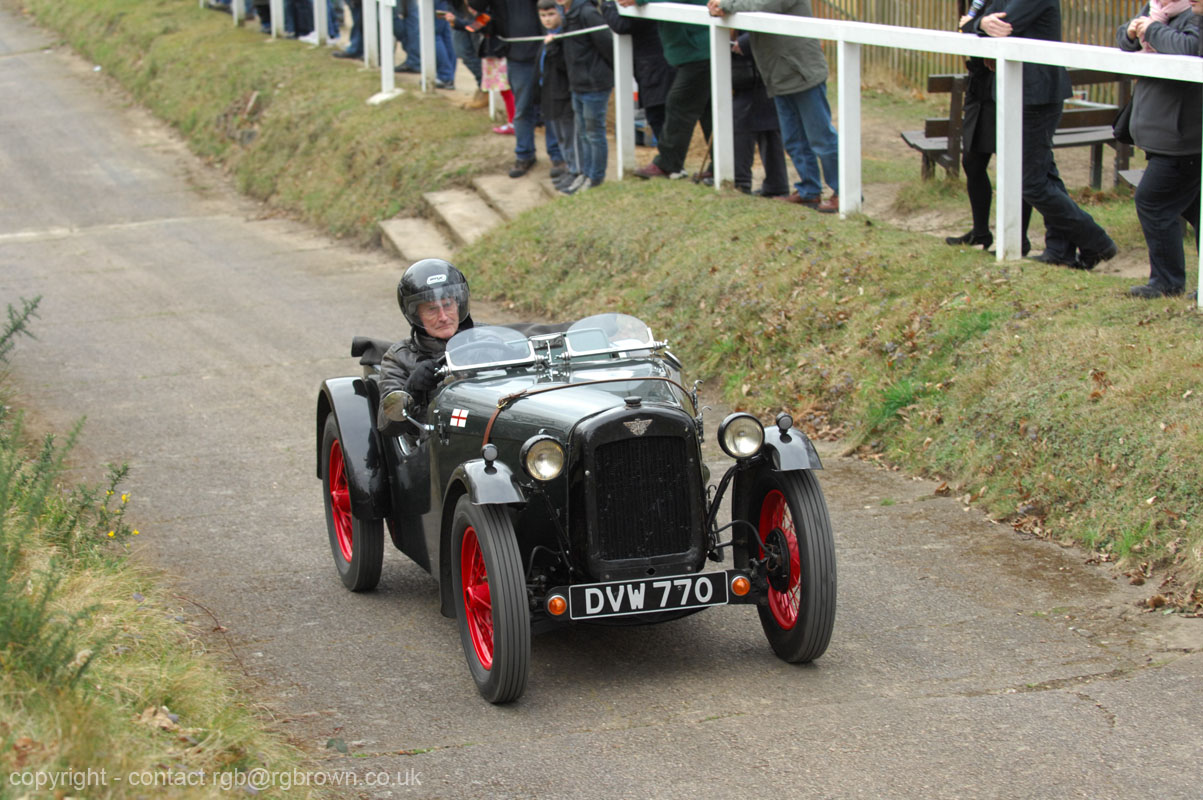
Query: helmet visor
{"points": [[450, 299]]}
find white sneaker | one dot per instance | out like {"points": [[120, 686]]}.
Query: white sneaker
{"points": [[309, 38]]}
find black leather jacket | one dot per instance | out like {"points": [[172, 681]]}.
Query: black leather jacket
{"points": [[400, 360]]}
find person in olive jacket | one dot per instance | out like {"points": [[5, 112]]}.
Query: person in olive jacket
{"points": [[794, 70], [1166, 123]]}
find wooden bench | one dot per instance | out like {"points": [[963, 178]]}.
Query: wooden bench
{"points": [[1083, 124]]}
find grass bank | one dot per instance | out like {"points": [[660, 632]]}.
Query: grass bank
{"points": [[1040, 395], [104, 690]]}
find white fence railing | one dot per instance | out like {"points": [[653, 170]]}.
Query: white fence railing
{"points": [[1008, 53]]}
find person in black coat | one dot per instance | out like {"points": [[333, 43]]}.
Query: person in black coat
{"points": [[755, 121], [653, 73], [1045, 88]]}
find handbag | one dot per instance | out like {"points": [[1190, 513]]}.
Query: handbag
{"points": [[1121, 128]]}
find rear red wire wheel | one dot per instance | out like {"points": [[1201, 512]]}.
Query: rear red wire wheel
{"points": [[774, 514], [478, 605], [356, 543], [340, 502]]}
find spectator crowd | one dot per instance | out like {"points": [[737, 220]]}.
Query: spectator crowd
{"points": [[551, 61]]}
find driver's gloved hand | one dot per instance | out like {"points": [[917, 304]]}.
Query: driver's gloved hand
{"points": [[423, 379]]}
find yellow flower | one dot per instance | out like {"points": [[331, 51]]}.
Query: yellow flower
{"points": [[125, 497], [112, 534], [109, 493], [135, 532]]}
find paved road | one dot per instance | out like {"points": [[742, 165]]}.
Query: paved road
{"points": [[193, 332]]}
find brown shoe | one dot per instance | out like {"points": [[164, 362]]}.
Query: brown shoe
{"points": [[799, 200], [829, 206], [479, 100]]}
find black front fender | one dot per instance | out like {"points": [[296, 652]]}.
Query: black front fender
{"points": [[488, 485], [367, 476], [791, 450]]}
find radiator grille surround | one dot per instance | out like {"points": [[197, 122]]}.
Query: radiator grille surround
{"points": [[643, 507]]}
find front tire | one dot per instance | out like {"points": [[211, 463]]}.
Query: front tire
{"points": [[357, 544], [490, 600], [800, 612]]}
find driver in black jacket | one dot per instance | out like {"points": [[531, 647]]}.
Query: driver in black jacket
{"points": [[433, 296]]}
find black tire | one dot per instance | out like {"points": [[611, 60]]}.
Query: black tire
{"points": [[799, 620], [494, 628], [357, 544]]}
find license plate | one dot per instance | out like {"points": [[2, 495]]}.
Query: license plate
{"points": [[647, 595]]}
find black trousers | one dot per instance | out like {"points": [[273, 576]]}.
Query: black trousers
{"points": [[1044, 190], [688, 102], [1168, 193], [772, 156]]}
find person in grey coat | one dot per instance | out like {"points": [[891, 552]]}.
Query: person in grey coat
{"points": [[795, 74], [1166, 124]]}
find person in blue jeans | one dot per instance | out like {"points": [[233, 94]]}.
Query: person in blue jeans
{"points": [[795, 75], [519, 19], [589, 58], [444, 45]]}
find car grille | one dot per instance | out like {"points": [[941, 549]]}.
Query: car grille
{"points": [[643, 504]]}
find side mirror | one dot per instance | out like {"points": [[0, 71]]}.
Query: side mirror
{"points": [[395, 406]]}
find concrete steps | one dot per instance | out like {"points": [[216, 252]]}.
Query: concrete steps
{"points": [[458, 217]]}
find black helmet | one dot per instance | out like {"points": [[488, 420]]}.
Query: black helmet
{"points": [[427, 280]]}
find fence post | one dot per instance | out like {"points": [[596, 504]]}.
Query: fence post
{"points": [[425, 11], [1009, 145], [238, 11], [321, 22], [848, 135], [624, 103], [277, 11], [371, 42], [388, 80], [722, 140]]}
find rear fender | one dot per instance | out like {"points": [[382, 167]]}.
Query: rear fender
{"points": [[367, 475]]}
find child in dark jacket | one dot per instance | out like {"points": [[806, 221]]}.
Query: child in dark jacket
{"points": [[555, 95], [756, 125]]}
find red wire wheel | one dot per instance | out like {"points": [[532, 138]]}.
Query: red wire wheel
{"points": [[478, 606], [340, 502], [774, 515]]}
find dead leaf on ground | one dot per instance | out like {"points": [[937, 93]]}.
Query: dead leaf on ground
{"points": [[159, 717]]}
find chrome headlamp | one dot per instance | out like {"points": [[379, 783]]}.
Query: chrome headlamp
{"points": [[542, 458], [741, 435]]}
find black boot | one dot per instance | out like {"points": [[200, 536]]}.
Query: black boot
{"points": [[984, 239]]}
